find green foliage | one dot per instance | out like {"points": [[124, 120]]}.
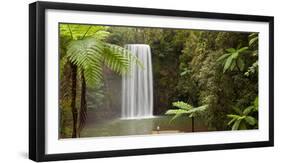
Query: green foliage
{"points": [[90, 53], [185, 109], [176, 112], [239, 122], [253, 39], [77, 31], [166, 45], [256, 104], [86, 49], [96, 96], [233, 59], [197, 111], [119, 59], [252, 69], [253, 43], [195, 66], [182, 105], [203, 81], [244, 119], [87, 55]]}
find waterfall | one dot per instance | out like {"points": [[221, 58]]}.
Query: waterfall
{"points": [[137, 88]]}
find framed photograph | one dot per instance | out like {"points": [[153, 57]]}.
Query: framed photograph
{"points": [[111, 81]]}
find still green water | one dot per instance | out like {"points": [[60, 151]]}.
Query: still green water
{"points": [[123, 127]]}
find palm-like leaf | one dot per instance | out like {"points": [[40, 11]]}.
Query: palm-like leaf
{"points": [[230, 50], [253, 38], [251, 120], [228, 63], [253, 43], [236, 125], [240, 64], [224, 56], [248, 110], [242, 49], [232, 59], [239, 120], [256, 104]]}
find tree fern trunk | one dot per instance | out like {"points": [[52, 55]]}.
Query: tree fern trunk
{"points": [[73, 100], [83, 104], [192, 124]]}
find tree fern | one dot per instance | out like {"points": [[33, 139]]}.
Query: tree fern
{"points": [[185, 109], [76, 31], [87, 55], [196, 111], [88, 52]]}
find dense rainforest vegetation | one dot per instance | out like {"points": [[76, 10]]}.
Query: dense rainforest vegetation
{"points": [[215, 72]]}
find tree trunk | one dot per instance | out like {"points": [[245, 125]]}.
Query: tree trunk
{"points": [[83, 104], [192, 124], [73, 99]]}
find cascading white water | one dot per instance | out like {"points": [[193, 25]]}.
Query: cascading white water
{"points": [[137, 90]]}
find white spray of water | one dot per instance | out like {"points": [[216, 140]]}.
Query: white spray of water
{"points": [[137, 88]]}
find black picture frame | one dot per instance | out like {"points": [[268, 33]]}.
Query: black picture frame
{"points": [[37, 78]]}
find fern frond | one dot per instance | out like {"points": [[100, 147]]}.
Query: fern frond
{"points": [[198, 109], [87, 55], [78, 31], [182, 105], [176, 112], [117, 58], [100, 35]]}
